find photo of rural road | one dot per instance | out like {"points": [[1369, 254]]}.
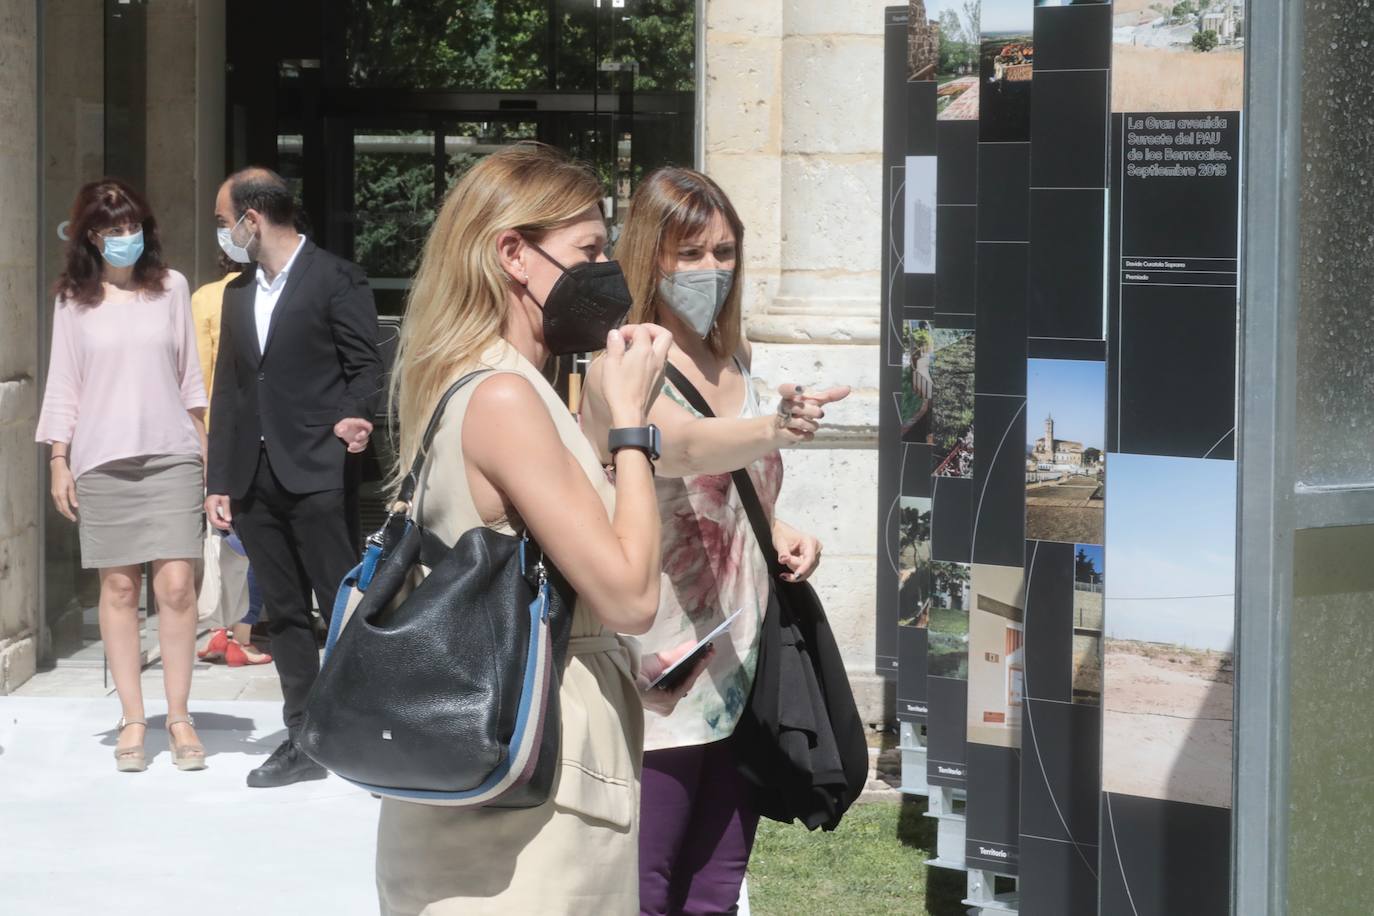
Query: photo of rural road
{"points": [[1187, 56], [1169, 628], [1067, 509], [1166, 730]]}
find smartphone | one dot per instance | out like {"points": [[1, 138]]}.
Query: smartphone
{"points": [[673, 676]]}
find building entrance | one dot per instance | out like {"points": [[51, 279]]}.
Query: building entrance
{"points": [[370, 108]]}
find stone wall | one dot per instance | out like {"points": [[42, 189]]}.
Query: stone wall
{"points": [[18, 369], [793, 134]]}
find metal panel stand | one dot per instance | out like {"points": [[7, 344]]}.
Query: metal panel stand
{"points": [[913, 748], [947, 806], [982, 895]]}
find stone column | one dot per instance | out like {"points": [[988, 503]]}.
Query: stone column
{"points": [[743, 129], [794, 135], [185, 130], [18, 343]]}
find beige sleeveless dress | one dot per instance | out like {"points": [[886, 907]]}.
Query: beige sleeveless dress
{"points": [[578, 852]]}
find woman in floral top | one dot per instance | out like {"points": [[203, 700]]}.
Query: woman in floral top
{"points": [[681, 251]]}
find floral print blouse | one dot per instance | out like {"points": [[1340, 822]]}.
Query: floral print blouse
{"points": [[711, 567]]}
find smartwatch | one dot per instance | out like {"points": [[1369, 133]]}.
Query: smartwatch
{"points": [[645, 438]]}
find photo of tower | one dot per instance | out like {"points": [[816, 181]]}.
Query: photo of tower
{"points": [[1066, 464]]}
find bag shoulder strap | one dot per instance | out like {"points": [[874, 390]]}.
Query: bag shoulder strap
{"points": [[412, 479], [744, 484]]}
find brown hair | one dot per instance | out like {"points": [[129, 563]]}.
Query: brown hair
{"points": [[672, 204], [101, 205]]}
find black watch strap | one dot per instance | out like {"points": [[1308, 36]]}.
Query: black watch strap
{"points": [[645, 438]]}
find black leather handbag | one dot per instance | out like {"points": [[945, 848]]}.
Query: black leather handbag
{"points": [[447, 693], [799, 744]]}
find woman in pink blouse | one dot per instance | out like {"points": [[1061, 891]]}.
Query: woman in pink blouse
{"points": [[124, 413]]}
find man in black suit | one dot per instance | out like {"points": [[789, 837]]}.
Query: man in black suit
{"points": [[297, 382]]}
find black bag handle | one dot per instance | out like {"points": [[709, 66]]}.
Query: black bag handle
{"points": [[432, 549], [412, 479], [748, 495]]}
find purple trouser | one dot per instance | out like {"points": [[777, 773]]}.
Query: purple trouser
{"points": [[695, 831]]}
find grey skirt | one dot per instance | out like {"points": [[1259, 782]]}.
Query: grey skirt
{"points": [[136, 510]]}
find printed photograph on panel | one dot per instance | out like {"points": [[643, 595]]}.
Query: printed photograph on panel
{"points": [[1006, 64], [913, 561], [951, 373], [942, 43], [919, 216], [947, 655], [1186, 56], [1088, 591], [1169, 629], [996, 653], [914, 396], [1065, 461]]}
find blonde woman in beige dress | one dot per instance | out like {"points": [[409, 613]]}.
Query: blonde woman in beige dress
{"points": [[510, 456]]}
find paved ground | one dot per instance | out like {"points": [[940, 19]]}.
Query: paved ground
{"points": [[208, 682], [186, 844], [965, 105], [79, 838]]}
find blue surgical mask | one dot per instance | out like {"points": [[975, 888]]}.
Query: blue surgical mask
{"points": [[123, 250]]}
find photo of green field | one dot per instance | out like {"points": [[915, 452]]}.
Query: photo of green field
{"points": [[948, 652]]}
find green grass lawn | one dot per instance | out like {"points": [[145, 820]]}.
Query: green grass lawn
{"points": [[873, 863]]}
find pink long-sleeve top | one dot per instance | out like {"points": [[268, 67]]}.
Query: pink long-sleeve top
{"points": [[124, 372]]}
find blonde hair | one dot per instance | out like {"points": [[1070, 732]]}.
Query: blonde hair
{"points": [[458, 304], [669, 205]]}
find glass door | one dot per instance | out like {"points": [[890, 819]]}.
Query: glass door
{"points": [[92, 122], [387, 191]]}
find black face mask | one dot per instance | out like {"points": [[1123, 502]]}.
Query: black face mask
{"points": [[584, 305]]}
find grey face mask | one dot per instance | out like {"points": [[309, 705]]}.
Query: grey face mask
{"points": [[697, 296]]}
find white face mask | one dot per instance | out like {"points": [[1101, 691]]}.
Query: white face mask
{"points": [[697, 296], [237, 253]]}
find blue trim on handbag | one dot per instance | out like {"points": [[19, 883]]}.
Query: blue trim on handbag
{"points": [[350, 580], [522, 735], [371, 557], [359, 577]]}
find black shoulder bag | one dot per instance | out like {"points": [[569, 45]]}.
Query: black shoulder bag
{"points": [[799, 743], [446, 694]]}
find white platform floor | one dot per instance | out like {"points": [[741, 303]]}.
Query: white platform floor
{"points": [[78, 838]]}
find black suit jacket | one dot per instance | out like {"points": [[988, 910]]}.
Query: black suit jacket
{"points": [[319, 366]]}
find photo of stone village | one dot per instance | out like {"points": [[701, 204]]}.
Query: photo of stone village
{"points": [[1065, 478], [1185, 56], [942, 45], [1064, 484]]}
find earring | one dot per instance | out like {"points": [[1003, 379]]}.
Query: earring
{"points": [[525, 279]]}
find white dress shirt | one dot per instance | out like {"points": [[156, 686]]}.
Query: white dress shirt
{"points": [[268, 292]]}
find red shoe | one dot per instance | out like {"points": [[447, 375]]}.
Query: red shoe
{"points": [[237, 656], [214, 649]]}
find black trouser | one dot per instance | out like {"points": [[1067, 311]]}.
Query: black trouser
{"points": [[297, 543]]}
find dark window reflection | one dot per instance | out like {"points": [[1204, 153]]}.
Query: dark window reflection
{"points": [[518, 45]]}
